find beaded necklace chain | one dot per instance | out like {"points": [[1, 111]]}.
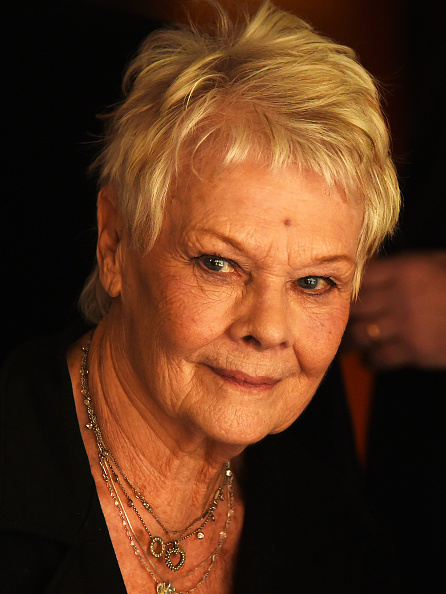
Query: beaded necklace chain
{"points": [[157, 548], [204, 517]]}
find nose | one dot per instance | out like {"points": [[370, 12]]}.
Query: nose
{"points": [[262, 319]]}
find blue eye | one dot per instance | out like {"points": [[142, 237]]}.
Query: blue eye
{"points": [[317, 284], [216, 264]]}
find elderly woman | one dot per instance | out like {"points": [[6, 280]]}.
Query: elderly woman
{"points": [[245, 179]]}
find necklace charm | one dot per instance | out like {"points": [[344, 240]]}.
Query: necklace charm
{"points": [[163, 588], [174, 549], [219, 495], [157, 539]]}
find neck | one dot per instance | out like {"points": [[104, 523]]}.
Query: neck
{"points": [[176, 469]]}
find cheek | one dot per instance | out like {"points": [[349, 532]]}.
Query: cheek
{"points": [[320, 338], [188, 316]]}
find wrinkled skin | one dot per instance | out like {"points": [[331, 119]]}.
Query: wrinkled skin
{"points": [[222, 333]]}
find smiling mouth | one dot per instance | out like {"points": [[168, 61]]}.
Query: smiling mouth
{"points": [[244, 380]]}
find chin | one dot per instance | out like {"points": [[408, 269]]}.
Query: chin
{"points": [[241, 416], [242, 428]]}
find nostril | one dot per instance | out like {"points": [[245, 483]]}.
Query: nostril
{"points": [[250, 339], [258, 344]]}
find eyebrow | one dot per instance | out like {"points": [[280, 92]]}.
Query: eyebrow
{"points": [[238, 246], [334, 259], [222, 237]]}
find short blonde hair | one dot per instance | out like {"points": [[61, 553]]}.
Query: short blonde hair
{"points": [[267, 87]]}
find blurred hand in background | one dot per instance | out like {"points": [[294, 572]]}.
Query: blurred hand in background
{"points": [[399, 318]]}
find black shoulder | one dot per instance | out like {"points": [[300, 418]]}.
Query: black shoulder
{"points": [[43, 462]]}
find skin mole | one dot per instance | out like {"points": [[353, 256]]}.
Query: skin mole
{"points": [[287, 222]]}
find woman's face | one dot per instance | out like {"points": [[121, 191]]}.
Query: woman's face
{"points": [[232, 319]]}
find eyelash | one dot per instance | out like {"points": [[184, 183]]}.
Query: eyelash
{"points": [[200, 259], [331, 284], [315, 292]]}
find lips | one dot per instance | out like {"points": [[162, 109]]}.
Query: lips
{"points": [[244, 380]]}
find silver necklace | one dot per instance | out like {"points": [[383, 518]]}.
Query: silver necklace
{"points": [[157, 547]]}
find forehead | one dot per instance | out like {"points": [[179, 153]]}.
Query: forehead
{"points": [[265, 212]]}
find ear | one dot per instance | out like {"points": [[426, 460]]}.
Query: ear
{"points": [[110, 237]]}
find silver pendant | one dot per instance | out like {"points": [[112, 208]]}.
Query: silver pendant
{"points": [[174, 549]]}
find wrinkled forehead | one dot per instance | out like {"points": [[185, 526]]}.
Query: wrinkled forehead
{"points": [[237, 193]]}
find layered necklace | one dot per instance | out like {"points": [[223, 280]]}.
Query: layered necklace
{"points": [[129, 500]]}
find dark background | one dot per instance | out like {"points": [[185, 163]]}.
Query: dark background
{"points": [[64, 63]]}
